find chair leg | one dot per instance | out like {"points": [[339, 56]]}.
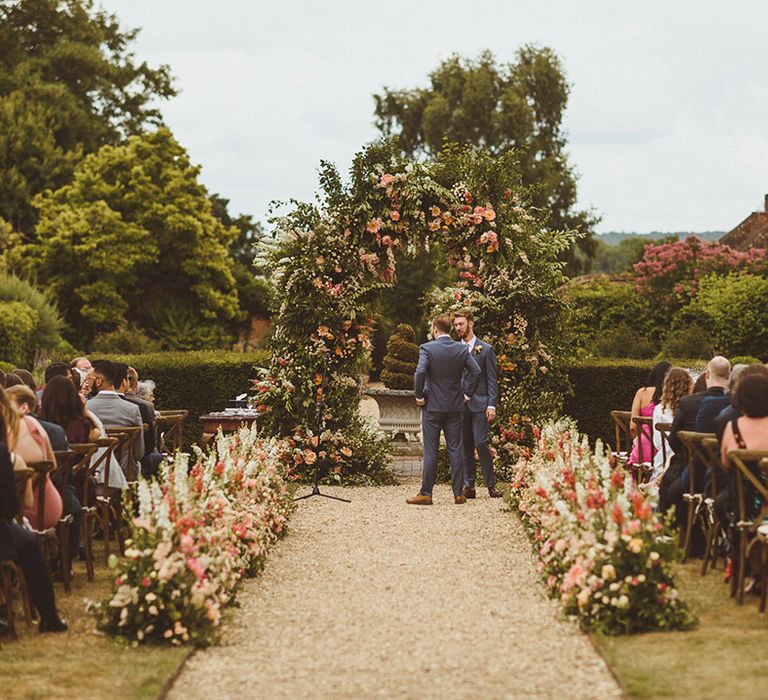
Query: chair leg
{"points": [[65, 556], [105, 527], [688, 532], [763, 577], [88, 545], [710, 536], [6, 588], [742, 567]]}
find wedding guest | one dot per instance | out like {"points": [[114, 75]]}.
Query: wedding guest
{"points": [[21, 545], [729, 412], [12, 380], [145, 389], [82, 366], [672, 486], [152, 457], [27, 438], [27, 402], [677, 383], [62, 405], [57, 369], [26, 378], [646, 399]]}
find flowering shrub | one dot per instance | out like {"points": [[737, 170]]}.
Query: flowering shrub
{"points": [[604, 553], [197, 533], [669, 273]]}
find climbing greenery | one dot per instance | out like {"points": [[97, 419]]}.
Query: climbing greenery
{"points": [[328, 261]]}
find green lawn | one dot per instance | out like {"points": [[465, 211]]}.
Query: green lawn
{"points": [[82, 663], [726, 656]]}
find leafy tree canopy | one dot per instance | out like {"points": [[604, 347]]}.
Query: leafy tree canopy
{"points": [[131, 239], [69, 84], [518, 106]]}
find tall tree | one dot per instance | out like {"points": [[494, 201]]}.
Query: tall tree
{"points": [[132, 239], [518, 106], [69, 84]]}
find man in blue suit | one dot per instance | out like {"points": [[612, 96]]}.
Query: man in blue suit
{"points": [[446, 376], [480, 410]]}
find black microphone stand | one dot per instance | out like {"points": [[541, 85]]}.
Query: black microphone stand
{"points": [[320, 402]]}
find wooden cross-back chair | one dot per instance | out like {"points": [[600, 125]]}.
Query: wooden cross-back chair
{"points": [[696, 462], [623, 436], [642, 471], [45, 535], [96, 502], [65, 463], [12, 582], [126, 447], [170, 427], [752, 503]]}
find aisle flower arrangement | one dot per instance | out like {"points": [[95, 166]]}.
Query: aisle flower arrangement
{"points": [[604, 553], [197, 532]]}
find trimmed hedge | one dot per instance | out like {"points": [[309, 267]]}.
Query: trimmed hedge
{"points": [[604, 385], [200, 381]]}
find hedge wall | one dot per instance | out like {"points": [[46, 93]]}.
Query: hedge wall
{"points": [[200, 381], [604, 385]]}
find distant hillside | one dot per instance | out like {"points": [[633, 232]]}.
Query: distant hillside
{"points": [[616, 237]]}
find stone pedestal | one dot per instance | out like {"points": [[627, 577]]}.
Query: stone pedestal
{"points": [[398, 413]]}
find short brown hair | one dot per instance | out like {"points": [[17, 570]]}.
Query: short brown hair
{"points": [[750, 396], [464, 313], [442, 323]]}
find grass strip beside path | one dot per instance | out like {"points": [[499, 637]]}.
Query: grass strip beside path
{"points": [[725, 656], [81, 663]]}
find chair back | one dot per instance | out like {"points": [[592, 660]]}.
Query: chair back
{"points": [[42, 469], [644, 426], [622, 432], [126, 446], [65, 463], [750, 482], [711, 455], [88, 450], [170, 426], [663, 430], [698, 457], [22, 477]]}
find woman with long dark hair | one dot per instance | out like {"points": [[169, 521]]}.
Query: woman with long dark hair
{"points": [[62, 404], [646, 399]]}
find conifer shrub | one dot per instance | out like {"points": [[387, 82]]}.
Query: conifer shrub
{"points": [[401, 358]]}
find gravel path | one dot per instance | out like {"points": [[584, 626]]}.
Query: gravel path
{"points": [[378, 599]]}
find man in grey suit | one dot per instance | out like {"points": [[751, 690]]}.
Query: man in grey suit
{"points": [[481, 409], [114, 411], [446, 376]]}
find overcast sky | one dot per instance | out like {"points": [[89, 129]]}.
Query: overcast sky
{"points": [[667, 121]]}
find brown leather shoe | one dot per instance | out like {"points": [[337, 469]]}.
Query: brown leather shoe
{"points": [[493, 493], [469, 492], [420, 500], [459, 499]]}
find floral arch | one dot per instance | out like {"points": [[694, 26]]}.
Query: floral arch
{"points": [[328, 260]]}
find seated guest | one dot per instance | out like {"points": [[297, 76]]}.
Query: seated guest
{"points": [[145, 389], [672, 486], [645, 401], [11, 380], [728, 413], [26, 378], [82, 366], [748, 431], [57, 369], [62, 405], [115, 411], [27, 438], [712, 406], [27, 402], [21, 545], [127, 389], [116, 477], [677, 383]]}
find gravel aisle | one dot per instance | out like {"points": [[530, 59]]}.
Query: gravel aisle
{"points": [[378, 599]]}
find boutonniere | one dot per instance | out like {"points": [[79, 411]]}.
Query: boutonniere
{"points": [[476, 350]]}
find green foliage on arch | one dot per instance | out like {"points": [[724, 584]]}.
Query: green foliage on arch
{"points": [[329, 260]]}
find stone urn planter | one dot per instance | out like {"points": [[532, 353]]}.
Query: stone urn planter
{"points": [[398, 412]]}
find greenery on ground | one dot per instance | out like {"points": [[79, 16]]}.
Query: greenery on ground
{"points": [[81, 663], [724, 655]]}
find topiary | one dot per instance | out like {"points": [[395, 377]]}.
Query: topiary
{"points": [[401, 358]]}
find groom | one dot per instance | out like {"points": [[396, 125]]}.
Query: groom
{"points": [[481, 410], [445, 378]]}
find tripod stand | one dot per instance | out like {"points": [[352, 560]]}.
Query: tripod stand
{"points": [[320, 403]]}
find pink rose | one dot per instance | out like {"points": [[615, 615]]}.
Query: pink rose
{"points": [[387, 180]]}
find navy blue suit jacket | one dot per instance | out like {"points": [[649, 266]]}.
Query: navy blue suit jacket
{"points": [[444, 374], [487, 392]]}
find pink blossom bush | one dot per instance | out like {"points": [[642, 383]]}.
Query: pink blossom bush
{"points": [[197, 533], [603, 552], [669, 273]]}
